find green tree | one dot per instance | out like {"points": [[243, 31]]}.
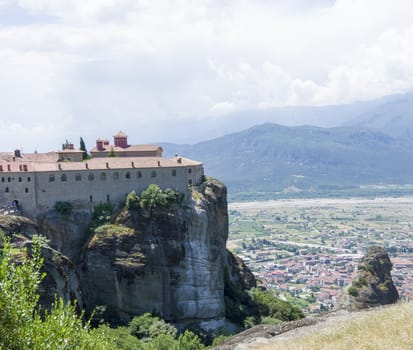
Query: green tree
{"points": [[111, 153], [132, 201], [83, 148], [153, 197], [21, 323]]}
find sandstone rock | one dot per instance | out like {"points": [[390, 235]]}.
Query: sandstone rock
{"points": [[372, 284]]}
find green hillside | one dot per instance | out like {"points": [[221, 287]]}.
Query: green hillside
{"points": [[274, 158]]}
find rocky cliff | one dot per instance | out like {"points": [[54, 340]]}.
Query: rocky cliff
{"points": [[372, 284], [169, 259]]}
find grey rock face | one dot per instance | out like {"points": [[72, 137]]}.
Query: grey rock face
{"points": [[169, 260], [67, 234], [372, 284]]}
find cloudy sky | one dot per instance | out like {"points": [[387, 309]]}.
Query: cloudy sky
{"points": [[71, 68]]}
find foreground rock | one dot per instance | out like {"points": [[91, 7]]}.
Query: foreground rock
{"points": [[372, 284]]}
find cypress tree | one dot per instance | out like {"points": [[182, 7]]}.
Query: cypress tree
{"points": [[83, 148]]}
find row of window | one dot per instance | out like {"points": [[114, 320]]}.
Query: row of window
{"points": [[10, 179], [103, 176], [7, 190]]}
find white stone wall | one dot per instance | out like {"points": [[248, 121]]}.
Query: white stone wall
{"points": [[40, 193]]}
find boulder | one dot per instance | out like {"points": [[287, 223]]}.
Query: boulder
{"points": [[372, 284]]}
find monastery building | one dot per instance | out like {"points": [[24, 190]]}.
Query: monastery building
{"points": [[35, 182]]}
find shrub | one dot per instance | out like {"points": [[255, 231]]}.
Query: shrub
{"points": [[147, 327], [153, 197], [23, 325], [64, 208], [353, 291], [102, 213]]}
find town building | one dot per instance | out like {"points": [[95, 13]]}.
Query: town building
{"points": [[35, 182]]}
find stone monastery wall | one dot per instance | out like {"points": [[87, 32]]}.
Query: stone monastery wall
{"points": [[37, 192], [35, 182]]}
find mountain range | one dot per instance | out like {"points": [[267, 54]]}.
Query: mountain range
{"points": [[371, 146]]}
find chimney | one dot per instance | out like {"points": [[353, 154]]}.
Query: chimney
{"points": [[179, 160], [1, 167], [70, 146], [159, 163], [99, 145], [17, 153], [87, 165], [107, 165], [60, 166], [8, 167], [133, 164]]}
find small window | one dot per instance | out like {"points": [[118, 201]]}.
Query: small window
{"points": [[174, 172], [78, 177], [139, 174], [9, 179], [20, 179], [91, 177], [107, 198], [127, 175], [90, 198], [6, 189], [103, 176], [28, 179], [2, 179], [26, 190], [190, 181], [51, 178], [63, 177], [189, 170], [116, 175], [153, 173]]}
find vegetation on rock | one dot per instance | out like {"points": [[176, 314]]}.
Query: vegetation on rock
{"points": [[64, 208]]}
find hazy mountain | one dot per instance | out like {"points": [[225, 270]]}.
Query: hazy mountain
{"points": [[394, 116], [271, 157], [392, 113]]}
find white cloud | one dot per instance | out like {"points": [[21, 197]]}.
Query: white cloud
{"points": [[121, 64]]}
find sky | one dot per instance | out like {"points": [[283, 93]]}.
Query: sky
{"points": [[76, 68]]}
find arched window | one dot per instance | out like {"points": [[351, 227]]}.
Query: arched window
{"points": [[127, 175], [91, 177], [20, 179], [189, 170], [153, 173], [51, 178], [28, 179], [139, 174], [116, 175], [190, 181], [174, 172], [26, 190], [6, 189], [9, 179], [78, 177], [63, 177], [90, 198], [2, 179], [103, 176]]}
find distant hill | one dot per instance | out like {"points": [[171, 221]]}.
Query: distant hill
{"points": [[390, 114], [393, 116], [271, 158]]}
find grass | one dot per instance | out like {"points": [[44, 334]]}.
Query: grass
{"points": [[385, 328]]}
